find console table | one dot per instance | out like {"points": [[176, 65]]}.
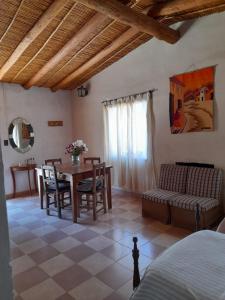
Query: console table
{"points": [[19, 168]]}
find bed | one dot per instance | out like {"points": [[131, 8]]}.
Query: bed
{"points": [[191, 269]]}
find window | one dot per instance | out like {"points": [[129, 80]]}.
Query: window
{"points": [[127, 129], [128, 141]]}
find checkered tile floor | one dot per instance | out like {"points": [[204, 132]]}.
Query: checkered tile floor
{"points": [[56, 259]]}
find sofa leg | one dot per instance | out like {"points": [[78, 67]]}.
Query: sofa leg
{"points": [[197, 218], [168, 221]]}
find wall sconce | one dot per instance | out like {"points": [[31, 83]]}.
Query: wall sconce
{"points": [[82, 91]]}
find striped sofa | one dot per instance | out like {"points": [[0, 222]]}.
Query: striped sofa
{"points": [[184, 193]]}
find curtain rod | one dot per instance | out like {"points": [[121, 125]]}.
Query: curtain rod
{"points": [[149, 91]]}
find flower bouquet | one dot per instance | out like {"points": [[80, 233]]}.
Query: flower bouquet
{"points": [[75, 149]]}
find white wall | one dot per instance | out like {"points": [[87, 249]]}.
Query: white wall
{"points": [[37, 105], [150, 66]]}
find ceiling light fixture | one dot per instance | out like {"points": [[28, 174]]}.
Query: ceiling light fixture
{"points": [[82, 91]]}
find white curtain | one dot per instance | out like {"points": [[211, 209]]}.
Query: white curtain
{"points": [[128, 125]]}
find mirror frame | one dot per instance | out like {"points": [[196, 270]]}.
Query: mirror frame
{"points": [[11, 140]]}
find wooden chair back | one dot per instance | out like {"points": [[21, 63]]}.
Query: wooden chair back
{"points": [[95, 186], [98, 174], [92, 160], [53, 161], [49, 175]]}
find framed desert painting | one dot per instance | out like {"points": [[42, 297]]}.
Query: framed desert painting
{"points": [[191, 101]]}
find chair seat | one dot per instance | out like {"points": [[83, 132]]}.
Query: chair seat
{"points": [[190, 202], [87, 186], [86, 180], [63, 186], [159, 196]]}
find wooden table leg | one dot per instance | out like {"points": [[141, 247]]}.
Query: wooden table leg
{"points": [[41, 190], [14, 182], [109, 189], [28, 174], [35, 180], [74, 196]]}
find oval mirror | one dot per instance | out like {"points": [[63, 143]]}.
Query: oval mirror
{"points": [[21, 135]]}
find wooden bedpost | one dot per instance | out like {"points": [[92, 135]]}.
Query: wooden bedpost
{"points": [[135, 254], [197, 218]]}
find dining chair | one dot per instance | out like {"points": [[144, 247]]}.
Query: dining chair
{"points": [[53, 161], [92, 159], [94, 191], [56, 191]]}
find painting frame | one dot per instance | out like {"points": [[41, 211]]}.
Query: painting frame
{"points": [[191, 101]]}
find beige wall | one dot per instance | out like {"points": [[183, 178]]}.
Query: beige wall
{"points": [[37, 105], [150, 66]]}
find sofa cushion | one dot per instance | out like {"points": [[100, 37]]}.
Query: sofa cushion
{"points": [[173, 178], [204, 182], [190, 202], [159, 196]]}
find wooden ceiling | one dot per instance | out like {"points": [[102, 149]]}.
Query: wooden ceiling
{"points": [[61, 44]]}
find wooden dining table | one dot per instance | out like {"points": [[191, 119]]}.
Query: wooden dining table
{"points": [[73, 174]]}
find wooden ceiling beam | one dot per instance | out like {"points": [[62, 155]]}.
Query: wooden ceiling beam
{"points": [[130, 4], [45, 43], [37, 29], [92, 26], [103, 64], [12, 21], [135, 19], [117, 43], [74, 78], [176, 7]]}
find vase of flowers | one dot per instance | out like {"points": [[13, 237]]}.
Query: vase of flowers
{"points": [[75, 149]]}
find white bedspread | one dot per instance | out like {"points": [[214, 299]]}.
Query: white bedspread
{"points": [[192, 269]]}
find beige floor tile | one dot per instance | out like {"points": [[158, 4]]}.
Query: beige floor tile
{"points": [[23, 237], [13, 211], [104, 250], [43, 230], [32, 245], [178, 232], [13, 244], [130, 215], [21, 264], [116, 251], [118, 234], [96, 263], [105, 217], [49, 219], [92, 289], [56, 264], [131, 226], [72, 229], [46, 290], [27, 220], [165, 240], [66, 244], [99, 243], [25, 280], [159, 226], [127, 262], [151, 250], [126, 290], [128, 241], [15, 231], [115, 276], [100, 227]]}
